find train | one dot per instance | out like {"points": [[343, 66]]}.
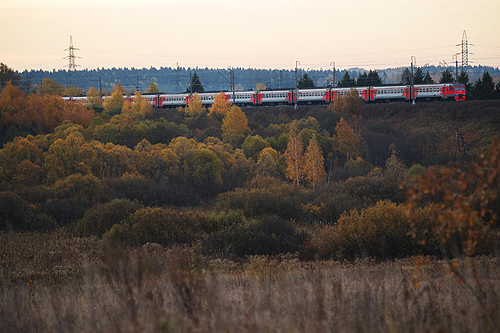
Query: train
{"points": [[419, 92]]}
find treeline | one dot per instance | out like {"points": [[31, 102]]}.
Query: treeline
{"points": [[176, 80]]}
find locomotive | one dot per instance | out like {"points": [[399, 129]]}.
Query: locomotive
{"points": [[426, 92]]}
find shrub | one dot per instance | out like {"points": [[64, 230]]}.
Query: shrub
{"points": [[283, 201], [382, 231], [100, 218], [17, 214], [78, 186], [269, 236], [65, 211], [158, 225], [150, 192]]}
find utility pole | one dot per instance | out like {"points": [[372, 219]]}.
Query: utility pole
{"points": [[280, 77], [137, 82], [232, 85], [100, 87], [71, 57], [465, 51], [296, 95], [412, 88], [456, 67], [333, 72], [190, 85]]}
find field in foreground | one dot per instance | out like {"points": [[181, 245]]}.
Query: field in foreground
{"points": [[54, 283]]}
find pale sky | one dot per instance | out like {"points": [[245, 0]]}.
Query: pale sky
{"points": [[252, 34]]}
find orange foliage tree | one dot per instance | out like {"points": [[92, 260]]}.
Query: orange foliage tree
{"points": [[313, 167], [345, 138], [195, 106], [294, 155], [234, 123], [221, 105], [468, 197]]}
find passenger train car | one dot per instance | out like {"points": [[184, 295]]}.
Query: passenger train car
{"points": [[425, 92]]}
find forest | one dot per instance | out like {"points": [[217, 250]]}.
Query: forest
{"points": [[119, 198]]}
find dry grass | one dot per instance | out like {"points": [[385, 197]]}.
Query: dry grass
{"points": [[155, 289]]}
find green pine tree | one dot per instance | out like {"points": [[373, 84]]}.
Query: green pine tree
{"points": [[305, 82], [195, 85]]}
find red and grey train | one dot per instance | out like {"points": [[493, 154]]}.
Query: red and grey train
{"points": [[426, 92]]}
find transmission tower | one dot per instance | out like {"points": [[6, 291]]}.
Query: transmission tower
{"points": [[465, 51], [71, 56]]}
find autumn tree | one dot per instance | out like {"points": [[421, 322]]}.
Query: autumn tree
{"points": [[13, 106], [67, 156], [395, 169], [14, 152], [152, 89], [221, 104], [267, 162], [294, 155], [313, 167], [93, 98], [73, 91], [260, 86], [194, 107], [468, 198], [7, 75], [141, 104], [114, 104], [50, 87], [253, 145], [349, 103], [234, 123], [346, 140]]}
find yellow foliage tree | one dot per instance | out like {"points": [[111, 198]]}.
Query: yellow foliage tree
{"points": [[221, 105], [313, 167], [349, 103], [294, 155], [195, 106], [115, 102], [345, 138], [93, 98], [72, 91], [260, 86], [141, 104], [234, 123], [50, 87], [152, 89]]}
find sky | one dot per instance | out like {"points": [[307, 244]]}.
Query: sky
{"points": [[371, 34]]}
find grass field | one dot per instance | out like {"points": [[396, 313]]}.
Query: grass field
{"points": [[54, 283]]}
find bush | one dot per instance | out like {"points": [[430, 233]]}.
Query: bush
{"points": [[99, 219], [150, 192], [269, 236], [382, 231], [17, 214], [65, 211], [158, 225], [283, 201]]}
